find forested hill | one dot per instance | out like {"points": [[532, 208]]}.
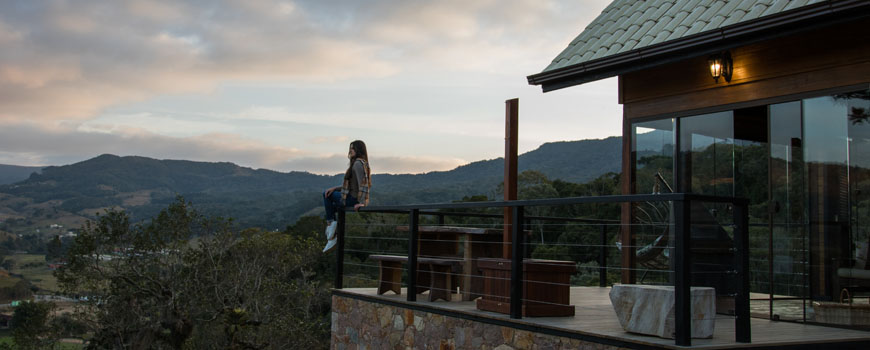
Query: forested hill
{"points": [[572, 161], [266, 198], [112, 174]]}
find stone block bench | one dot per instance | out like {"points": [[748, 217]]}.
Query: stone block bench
{"points": [[649, 309], [437, 274]]}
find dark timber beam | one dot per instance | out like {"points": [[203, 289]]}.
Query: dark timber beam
{"points": [[511, 132]]}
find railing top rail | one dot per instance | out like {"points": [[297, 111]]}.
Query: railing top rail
{"points": [[528, 217], [560, 201]]}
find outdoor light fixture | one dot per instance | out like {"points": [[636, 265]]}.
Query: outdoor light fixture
{"points": [[721, 66]]}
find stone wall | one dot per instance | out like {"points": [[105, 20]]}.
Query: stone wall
{"points": [[362, 325]]}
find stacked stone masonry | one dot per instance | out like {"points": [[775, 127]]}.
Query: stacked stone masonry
{"points": [[362, 325]]}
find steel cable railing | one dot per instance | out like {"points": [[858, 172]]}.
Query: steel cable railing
{"points": [[534, 238]]}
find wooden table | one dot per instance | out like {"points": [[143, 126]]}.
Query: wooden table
{"points": [[469, 243]]}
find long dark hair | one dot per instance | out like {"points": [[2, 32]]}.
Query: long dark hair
{"points": [[359, 149]]}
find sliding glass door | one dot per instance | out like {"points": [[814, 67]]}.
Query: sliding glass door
{"points": [[805, 167], [787, 243]]}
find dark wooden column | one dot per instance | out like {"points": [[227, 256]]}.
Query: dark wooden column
{"points": [[511, 132], [628, 249]]}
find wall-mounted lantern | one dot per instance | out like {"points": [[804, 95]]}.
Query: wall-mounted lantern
{"points": [[721, 66]]}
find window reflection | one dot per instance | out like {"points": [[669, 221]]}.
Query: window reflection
{"points": [[805, 167], [652, 155]]}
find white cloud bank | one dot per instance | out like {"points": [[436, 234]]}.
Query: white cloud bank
{"points": [[31, 144], [67, 67]]}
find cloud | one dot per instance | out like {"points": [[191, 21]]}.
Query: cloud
{"points": [[70, 60], [334, 164], [32, 144], [412, 164], [330, 139], [483, 35], [35, 144], [8, 34], [151, 77]]}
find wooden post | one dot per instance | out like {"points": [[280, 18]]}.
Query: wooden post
{"points": [[626, 218], [511, 132]]}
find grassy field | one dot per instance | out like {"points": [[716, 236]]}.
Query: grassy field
{"points": [[8, 281], [37, 273]]}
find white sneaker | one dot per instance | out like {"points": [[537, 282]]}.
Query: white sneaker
{"points": [[330, 245], [330, 230]]}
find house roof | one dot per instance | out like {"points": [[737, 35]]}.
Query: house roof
{"points": [[628, 31]]}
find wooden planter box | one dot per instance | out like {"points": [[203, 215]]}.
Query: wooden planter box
{"points": [[546, 287]]}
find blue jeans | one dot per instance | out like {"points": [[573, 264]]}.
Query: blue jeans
{"points": [[333, 203]]}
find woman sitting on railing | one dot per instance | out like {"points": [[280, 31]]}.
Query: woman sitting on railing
{"points": [[354, 190]]}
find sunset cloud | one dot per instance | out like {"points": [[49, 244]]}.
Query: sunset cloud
{"points": [[284, 84], [330, 139], [334, 164], [31, 144]]}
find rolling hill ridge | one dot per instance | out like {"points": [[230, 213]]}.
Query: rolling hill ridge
{"points": [[264, 198]]}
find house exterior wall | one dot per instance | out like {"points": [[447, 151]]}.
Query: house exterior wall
{"points": [[359, 324], [782, 69], [826, 58]]}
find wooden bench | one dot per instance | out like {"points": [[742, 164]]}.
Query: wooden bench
{"points": [[437, 273]]}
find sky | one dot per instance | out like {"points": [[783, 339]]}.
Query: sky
{"points": [[286, 85]]}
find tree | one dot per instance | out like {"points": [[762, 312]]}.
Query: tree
{"points": [[54, 249], [184, 281], [22, 289], [531, 184], [68, 327], [308, 227], [31, 328], [8, 264]]}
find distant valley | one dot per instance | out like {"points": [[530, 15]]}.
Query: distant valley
{"points": [[13, 173]]}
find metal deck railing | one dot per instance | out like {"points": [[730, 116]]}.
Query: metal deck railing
{"points": [[680, 261]]}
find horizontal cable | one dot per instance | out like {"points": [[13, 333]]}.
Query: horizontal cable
{"points": [[378, 238], [375, 252]]}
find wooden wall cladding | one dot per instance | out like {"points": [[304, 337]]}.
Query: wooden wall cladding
{"points": [[814, 60]]}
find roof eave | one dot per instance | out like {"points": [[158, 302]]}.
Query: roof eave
{"points": [[764, 28]]}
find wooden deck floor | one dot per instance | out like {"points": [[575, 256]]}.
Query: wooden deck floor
{"points": [[594, 317]]}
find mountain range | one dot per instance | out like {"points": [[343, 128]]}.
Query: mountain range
{"points": [[33, 197]]}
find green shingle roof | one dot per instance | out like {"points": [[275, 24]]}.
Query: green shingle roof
{"points": [[627, 25]]}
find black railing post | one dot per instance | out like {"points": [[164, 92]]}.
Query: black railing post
{"points": [[339, 250], [602, 258], [440, 219], [517, 244], [742, 329], [413, 228], [527, 253], [682, 275]]}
